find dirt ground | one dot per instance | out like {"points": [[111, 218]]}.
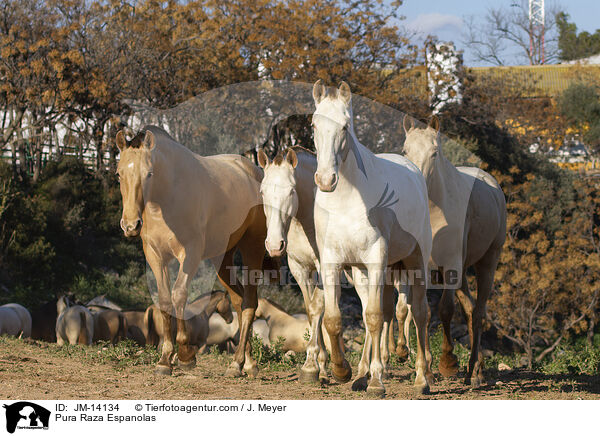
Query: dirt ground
{"points": [[31, 371]]}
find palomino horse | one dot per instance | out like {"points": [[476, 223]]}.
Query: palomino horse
{"points": [[226, 335], [288, 192], [197, 314], [74, 325], [136, 330], [468, 223], [292, 328], [370, 212], [15, 320], [192, 208], [109, 325]]}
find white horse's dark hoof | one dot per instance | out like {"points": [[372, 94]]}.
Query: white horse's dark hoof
{"points": [[251, 371], [162, 370], [422, 389], [309, 376], [360, 384]]}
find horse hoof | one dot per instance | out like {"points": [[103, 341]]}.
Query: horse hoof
{"points": [[341, 374], [402, 353], [251, 371], [448, 366], [422, 389], [476, 382], [377, 391], [162, 370], [360, 384], [308, 376], [187, 366], [233, 372], [323, 379]]}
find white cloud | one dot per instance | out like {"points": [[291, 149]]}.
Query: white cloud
{"points": [[434, 23]]}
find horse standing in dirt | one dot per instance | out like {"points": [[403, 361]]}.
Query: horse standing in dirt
{"points": [[193, 208], [370, 212], [288, 192], [15, 320], [197, 315], [468, 223], [74, 324]]}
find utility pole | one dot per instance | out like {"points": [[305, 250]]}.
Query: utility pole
{"points": [[536, 31]]}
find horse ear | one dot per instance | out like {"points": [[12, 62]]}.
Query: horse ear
{"points": [[263, 159], [149, 140], [344, 92], [318, 91], [434, 123], [120, 140], [291, 158], [408, 123]]}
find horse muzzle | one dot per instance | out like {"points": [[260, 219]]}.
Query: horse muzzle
{"points": [[278, 250], [326, 183], [131, 229]]}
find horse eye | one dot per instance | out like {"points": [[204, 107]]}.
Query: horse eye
{"points": [[150, 174]]}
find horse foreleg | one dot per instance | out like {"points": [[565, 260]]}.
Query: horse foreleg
{"points": [[186, 353], [404, 317], [160, 269], [330, 274], [360, 281]]}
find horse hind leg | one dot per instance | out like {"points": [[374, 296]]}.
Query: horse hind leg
{"points": [[484, 271], [448, 365], [404, 317], [388, 319]]}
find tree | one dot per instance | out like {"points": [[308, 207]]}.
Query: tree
{"points": [[580, 105], [572, 45], [505, 34]]}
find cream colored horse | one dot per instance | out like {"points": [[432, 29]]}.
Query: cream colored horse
{"points": [[74, 324], [197, 315], [136, 330], [468, 223], [292, 328], [193, 208], [15, 320], [288, 196], [370, 212], [226, 334]]}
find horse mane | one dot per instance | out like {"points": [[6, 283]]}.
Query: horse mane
{"points": [[138, 140]]}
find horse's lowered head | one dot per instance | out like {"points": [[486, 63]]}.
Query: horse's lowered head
{"points": [[135, 173], [280, 199], [332, 126], [421, 145]]}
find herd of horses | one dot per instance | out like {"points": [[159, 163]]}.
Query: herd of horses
{"points": [[209, 320], [342, 211]]}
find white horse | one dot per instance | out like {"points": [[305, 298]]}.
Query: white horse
{"points": [[288, 192], [370, 212], [225, 334], [15, 320]]}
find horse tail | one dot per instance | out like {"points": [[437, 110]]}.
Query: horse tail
{"points": [[122, 332], [150, 327], [84, 335]]}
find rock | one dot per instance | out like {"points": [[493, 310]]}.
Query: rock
{"points": [[503, 367], [499, 383], [290, 355]]}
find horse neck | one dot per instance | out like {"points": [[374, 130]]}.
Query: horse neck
{"points": [[213, 302], [350, 170], [273, 315], [437, 180]]}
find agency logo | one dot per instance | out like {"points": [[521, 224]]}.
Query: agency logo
{"points": [[26, 415]]}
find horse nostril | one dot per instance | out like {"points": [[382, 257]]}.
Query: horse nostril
{"points": [[281, 245], [333, 179]]}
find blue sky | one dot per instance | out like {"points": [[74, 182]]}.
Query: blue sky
{"points": [[445, 18]]}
